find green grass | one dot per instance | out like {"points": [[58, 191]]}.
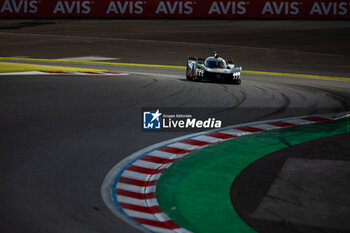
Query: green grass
{"points": [[7, 67], [195, 190]]}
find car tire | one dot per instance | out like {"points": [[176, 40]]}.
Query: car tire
{"points": [[238, 81], [187, 76]]}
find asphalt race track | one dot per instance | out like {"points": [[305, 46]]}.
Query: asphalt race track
{"points": [[315, 153], [61, 134]]}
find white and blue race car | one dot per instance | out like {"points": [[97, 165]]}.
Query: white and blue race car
{"points": [[212, 68]]}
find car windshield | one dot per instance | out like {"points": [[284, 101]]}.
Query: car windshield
{"points": [[217, 63]]}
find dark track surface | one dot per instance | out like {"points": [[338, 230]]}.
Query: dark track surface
{"points": [[325, 165], [62, 134]]}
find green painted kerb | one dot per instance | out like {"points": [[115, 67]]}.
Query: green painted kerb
{"points": [[195, 191]]}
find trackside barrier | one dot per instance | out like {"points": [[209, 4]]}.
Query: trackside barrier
{"points": [[174, 9]]}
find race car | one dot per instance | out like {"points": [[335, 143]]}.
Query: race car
{"points": [[212, 68]]}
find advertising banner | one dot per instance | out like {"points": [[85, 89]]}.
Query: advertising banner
{"points": [[174, 9]]}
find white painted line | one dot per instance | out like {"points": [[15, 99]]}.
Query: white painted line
{"points": [[235, 132], [299, 121], [161, 154], [152, 201], [24, 73], [185, 146], [136, 189], [207, 139], [133, 201], [88, 58], [266, 126], [140, 176], [147, 164]]}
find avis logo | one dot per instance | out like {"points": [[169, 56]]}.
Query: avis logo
{"points": [[151, 120]]}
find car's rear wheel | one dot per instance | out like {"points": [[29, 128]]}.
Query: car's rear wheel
{"points": [[188, 77]]}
